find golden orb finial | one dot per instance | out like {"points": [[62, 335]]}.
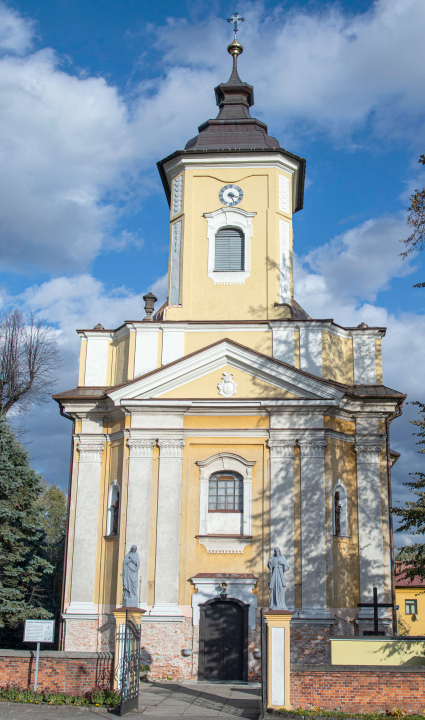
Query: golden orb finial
{"points": [[235, 49]]}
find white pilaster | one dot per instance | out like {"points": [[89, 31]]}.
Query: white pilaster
{"points": [[146, 355], [311, 349], [371, 550], [168, 526], [364, 355], [282, 506], [284, 344], [172, 344], [285, 262], [176, 241], [313, 528], [97, 358], [138, 505], [86, 528]]}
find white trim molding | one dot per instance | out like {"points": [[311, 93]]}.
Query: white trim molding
{"points": [[285, 262], [224, 217], [240, 588], [284, 205]]}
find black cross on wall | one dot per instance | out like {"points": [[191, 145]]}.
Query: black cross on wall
{"points": [[375, 605]]}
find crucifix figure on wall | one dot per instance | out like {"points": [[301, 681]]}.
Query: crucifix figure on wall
{"points": [[338, 508]]}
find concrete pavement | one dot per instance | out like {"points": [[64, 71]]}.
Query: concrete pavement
{"points": [[159, 701]]}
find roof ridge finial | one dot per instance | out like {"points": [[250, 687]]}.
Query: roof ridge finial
{"points": [[235, 48]]}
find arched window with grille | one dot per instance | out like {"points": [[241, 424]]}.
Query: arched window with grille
{"points": [[229, 250]]}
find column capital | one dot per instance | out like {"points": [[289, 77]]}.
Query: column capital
{"points": [[91, 452], [313, 448], [280, 448], [368, 454], [141, 447], [171, 447]]}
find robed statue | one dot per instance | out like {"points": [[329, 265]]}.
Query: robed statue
{"points": [[130, 578], [278, 566]]}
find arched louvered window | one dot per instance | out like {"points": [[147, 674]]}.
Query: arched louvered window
{"points": [[229, 250]]}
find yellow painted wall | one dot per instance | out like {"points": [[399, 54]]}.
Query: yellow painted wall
{"points": [[248, 387], [377, 652], [121, 360], [261, 341], [226, 421], [406, 625], [337, 358], [200, 298], [345, 550], [193, 556]]}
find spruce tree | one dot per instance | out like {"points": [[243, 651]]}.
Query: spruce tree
{"points": [[23, 560], [413, 513]]}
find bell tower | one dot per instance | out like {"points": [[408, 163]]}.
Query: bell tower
{"points": [[232, 193]]}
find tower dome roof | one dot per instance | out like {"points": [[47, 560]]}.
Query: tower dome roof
{"points": [[233, 128]]}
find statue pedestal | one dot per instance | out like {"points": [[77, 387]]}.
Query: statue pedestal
{"points": [[278, 659], [119, 614]]}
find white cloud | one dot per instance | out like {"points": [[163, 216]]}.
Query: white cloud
{"points": [[16, 33]]}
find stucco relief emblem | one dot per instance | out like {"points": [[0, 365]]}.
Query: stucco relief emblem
{"points": [[227, 386]]}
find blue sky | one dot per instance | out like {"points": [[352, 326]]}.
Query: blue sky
{"points": [[92, 94]]}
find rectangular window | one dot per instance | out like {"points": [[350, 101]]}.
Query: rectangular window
{"points": [[411, 607], [225, 493], [229, 252]]}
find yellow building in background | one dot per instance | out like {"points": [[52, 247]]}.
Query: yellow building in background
{"points": [[410, 598], [225, 424]]}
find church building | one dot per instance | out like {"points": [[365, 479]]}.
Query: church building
{"points": [[224, 424]]}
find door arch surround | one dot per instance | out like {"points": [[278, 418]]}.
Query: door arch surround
{"points": [[223, 623]]}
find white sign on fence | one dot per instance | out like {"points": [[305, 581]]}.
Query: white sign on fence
{"points": [[39, 631]]}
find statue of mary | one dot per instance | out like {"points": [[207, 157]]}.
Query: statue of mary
{"points": [[278, 566], [130, 576]]}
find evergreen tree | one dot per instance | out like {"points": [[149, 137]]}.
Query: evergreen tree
{"points": [[54, 509], [413, 513], [23, 558], [416, 220]]}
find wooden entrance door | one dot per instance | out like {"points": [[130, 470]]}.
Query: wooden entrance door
{"points": [[223, 641]]}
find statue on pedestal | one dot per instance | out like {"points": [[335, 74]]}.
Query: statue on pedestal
{"points": [[278, 566], [130, 578]]}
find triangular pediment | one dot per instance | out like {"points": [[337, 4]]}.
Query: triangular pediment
{"points": [[197, 376]]}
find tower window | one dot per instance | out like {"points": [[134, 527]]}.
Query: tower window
{"points": [[225, 493], [229, 250]]}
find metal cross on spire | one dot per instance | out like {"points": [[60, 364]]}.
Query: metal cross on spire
{"points": [[235, 19]]}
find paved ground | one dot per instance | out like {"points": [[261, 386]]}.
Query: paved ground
{"points": [[159, 701]]}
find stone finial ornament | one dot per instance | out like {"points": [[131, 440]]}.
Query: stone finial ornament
{"points": [[227, 386], [130, 578], [278, 566], [150, 300], [99, 326]]}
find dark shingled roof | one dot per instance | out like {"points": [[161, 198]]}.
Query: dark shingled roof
{"points": [[233, 127]]}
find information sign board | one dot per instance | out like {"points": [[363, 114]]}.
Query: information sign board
{"points": [[39, 631]]}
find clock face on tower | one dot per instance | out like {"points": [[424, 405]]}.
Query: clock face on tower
{"points": [[230, 195]]}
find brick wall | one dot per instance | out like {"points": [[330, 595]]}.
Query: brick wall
{"points": [[311, 643], [71, 672], [358, 689]]}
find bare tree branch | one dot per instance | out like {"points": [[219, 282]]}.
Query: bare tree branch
{"points": [[29, 361], [416, 219]]}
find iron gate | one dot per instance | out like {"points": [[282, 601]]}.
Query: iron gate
{"points": [[263, 665], [129, 664]]}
